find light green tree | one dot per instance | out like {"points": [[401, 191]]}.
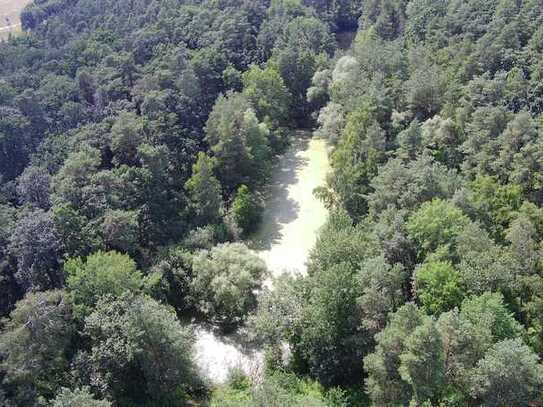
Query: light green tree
{"points": [[268, 94], [489, 312], [78, 398], [205, 190], [225, 280], [102, 273], [438, 286], [436, 224], [246, 209]]}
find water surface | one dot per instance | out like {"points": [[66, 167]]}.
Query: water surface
{"points": [[287, 233]]}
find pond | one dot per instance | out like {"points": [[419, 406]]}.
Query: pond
{"points": [[287, 233]]}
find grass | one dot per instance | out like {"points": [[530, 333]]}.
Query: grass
{"points": [[9, 16]]}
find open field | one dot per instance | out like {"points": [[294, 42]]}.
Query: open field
{"points": [[9, 16]]}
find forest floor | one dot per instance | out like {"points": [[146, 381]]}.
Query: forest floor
{"points": [[288, 231], [10, 11]]}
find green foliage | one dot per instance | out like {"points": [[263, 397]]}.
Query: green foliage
{"points": [[238, 141], [509, 374], [120, 230], [418, 360], [279, 311], [436, 225], [464, 343], [267, 93], [246, 209], [225, 281], [133, 126], [8, 284], [330, 342], [382, 288], [205, 190], [297, 52], [277, 389], [484, 266], [140, 353], [410, 142], [14, 141], [99, 275], [388, 17], [353, 171], [35, 344], [126, 136], [78, 398], [331, 122], [424, 89], [407, 186], [33, 187], [339, 241], [489, 312], [35, 246], [319, 315], [170, 280], [422, 365], [494, 204], [438, 286], [384, 383]]}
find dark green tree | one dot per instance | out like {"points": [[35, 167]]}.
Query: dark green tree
{"points": [[35, 344]]}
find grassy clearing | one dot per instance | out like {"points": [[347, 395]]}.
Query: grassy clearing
{"points": [[9, 16]]}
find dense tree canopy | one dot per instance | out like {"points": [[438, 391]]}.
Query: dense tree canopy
{"points": [[433, 116], [137, 139]]}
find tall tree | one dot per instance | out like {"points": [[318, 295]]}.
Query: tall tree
{"points": [[238, 141], [509, 374], [36, 247], [139, 352], [267, 92], [36, 345], [205, 190]]}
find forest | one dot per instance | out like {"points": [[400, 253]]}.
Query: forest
{"points": [[137, 138]]}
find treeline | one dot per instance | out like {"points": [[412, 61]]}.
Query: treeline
{"points": [[135, 138], [425, 286]]}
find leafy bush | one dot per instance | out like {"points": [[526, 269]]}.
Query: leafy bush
{"points": [[246, 209], [78, 398], [224, 284], [100, 274]]}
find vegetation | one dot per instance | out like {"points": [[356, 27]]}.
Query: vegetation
{"points": [[136, 142]]}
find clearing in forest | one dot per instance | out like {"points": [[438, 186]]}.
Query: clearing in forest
{"points": [[10, 11]]}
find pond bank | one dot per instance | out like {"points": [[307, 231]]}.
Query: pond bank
{"points": [[288, 231]]}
